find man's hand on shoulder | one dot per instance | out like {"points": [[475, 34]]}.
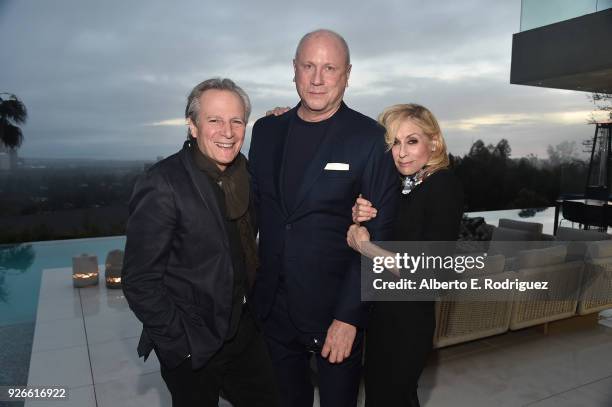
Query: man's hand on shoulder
{"points": [[277, 111], [339, 341]]}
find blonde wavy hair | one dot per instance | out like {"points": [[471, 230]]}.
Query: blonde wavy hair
{"points": [[393, 116]]}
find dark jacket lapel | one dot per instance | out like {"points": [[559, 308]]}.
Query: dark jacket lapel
{"points": [[283, 131], [204, 188]]}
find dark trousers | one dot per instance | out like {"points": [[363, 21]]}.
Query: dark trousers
{"points": [[291, 352], [241, 369], [398, 342]]}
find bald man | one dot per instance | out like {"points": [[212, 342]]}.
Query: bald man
{"points": [[308, 166]]}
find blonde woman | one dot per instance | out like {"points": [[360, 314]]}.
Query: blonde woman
{"points": [[400, 334]]}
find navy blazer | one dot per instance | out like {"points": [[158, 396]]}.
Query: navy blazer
{"points": [[178, 273], [307, 246]]}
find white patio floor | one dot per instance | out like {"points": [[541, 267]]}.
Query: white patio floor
{"points": [[85, 339]]}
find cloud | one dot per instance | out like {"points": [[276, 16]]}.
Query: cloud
{"points": [[522, 119], [169, 122], [115, 80]]}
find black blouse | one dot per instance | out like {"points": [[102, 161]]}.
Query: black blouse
{"points": [[432, 211]]}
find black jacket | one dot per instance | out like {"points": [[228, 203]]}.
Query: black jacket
{"points": [[306, 246], [178, 274]]}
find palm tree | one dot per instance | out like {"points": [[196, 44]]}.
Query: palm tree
{"points": [[12, 113]]}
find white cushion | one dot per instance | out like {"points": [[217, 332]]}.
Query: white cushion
{"points": [[598, 250], [569, 234], [542, 257], [534, 228]]}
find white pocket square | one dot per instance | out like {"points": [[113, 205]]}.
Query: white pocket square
{"points": [[337, 167]]}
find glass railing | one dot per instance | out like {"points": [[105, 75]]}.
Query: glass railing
{"points": [[537, 13]]}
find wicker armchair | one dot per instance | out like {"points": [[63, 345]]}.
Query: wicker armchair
{"points": [[535, 307], [596, 293], [460, 319]]}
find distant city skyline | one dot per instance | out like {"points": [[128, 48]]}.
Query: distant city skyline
{"points": [[109, 80]]}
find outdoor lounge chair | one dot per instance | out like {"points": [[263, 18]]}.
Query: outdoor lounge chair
{"points": [[535, 307], [596, 293], [460, 319]]}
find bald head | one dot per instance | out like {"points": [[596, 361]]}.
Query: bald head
{"points": [[321, 67], [327, 34]]}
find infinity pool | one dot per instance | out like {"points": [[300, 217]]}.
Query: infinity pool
{"points": [[21, 266]]}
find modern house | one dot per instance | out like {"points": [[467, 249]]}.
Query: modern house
{"points": [[564, 44]]}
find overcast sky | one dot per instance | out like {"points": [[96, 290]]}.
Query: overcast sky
{"points": [[109, 79]]}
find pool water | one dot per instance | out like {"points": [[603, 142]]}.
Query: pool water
{"points": [[21, 269]]}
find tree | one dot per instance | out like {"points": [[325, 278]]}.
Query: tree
{"points": [[502, 149], [603, 103], [492, 180], [563, 153], [478, 149], [12, 114]]}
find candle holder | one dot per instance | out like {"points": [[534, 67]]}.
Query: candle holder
{"points": [[84, 270], [112, 269]]}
